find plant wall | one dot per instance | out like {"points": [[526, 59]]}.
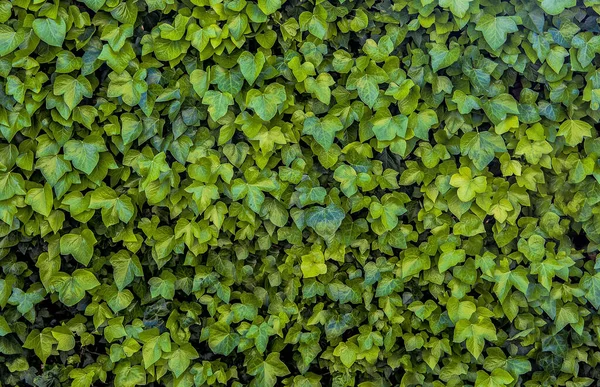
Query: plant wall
{"points": [[299, 193]]}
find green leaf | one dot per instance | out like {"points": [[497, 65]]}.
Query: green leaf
{"points": [[250, 65], [325, 220], [130, 376], [319, 87], [266, 371], [80, 246], [266, 103], [84, 155], [495, 29], [450, 259], [475, 334], [71, 289], [41, 343], [114, 207], [129, 88], [315, 23], [556, 7], [11, 184], [313, 265], [218, 103], [50, 31], [221, 340], [154, 346], [481, 147], [442, 57], [574, 131], [65, 338], [386, 127], [4, 327], [565, 315], [72, 89], [10, 39], [347, 353], [125, 268], [26, 301], [347, 177], [40, 199], [323, 130], [422, 123], [180, 359], [468, 186], [53, 168], [458, 8], [498, 378], [94, 5], [592, 285], [269, 6]]}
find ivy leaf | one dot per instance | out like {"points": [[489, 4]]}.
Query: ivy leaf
{"points": [[319, 87], [155, 345], [221, 340], [498, 378], [386, 127], [266, 371], [458, 8], [266, 103], [53, 168], [313, 265], [40, 199], [499, 107], [251, 65], [72, 89], [565, 315], [80, 246], [269, 6], [125, 268], [450, 259], [574, 131], [94, 5], [422, 123], [556, 7], [347, 177], [4, 327], [129, 88], [315, 23], [180, 359], [114, 207], [84, 155], [71, 289], [505, 279], [466, 103], [130, 376], [442, 57], [11, 184], [218, 103], [475, 334], [26, 301], [41, 343], [325, 220], [10, 39], [481, 147], [323, 130], [50, 31], [495, 29], [468, 186], [64, 336], [347, 353]]}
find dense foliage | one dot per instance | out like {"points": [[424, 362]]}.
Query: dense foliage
{"points": [[299, 193]]}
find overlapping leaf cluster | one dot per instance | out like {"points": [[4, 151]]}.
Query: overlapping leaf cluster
{"points": [[299, 193]]}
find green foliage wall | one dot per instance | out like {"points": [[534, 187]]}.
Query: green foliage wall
{"points": [[299, 193]]}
